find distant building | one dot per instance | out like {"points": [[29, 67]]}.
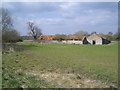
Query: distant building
{"points": [[45, 37], [95, 39], [72, 40]]}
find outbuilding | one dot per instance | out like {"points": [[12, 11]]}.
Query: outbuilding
{"points": [[95, 39]]}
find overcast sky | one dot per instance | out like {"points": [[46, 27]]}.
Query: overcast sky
{"points": [[65, 17]]}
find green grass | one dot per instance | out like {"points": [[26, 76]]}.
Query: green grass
{"points": [[12, 79], [98, 62]]}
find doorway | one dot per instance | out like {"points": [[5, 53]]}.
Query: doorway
{"points": [[93, 42]]}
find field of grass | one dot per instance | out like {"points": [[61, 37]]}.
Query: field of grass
{"points": [[99, 62]]}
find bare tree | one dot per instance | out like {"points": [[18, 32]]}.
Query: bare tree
{"points": [[34, 30], [9, 34], [6, 20]]}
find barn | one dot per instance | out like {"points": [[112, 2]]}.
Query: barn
{"points": [[95, 39]]}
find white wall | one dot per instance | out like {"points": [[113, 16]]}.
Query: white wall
{"points": [[96, 38], [72, 42], [98, 41]]}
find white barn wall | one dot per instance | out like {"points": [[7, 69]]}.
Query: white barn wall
{"points": [[72, 42], [96, 38], [98, 41]]}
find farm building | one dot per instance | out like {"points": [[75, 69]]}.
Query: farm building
{"points": [[45, 37], [72, 40], [95, 39]]}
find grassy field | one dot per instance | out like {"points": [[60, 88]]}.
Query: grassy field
{"points": [[98, 62]]}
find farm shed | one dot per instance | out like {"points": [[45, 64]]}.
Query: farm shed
{"points": [[72, 40], [95, 39]]}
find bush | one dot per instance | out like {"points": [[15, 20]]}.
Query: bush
{"points": [[10, 36]]}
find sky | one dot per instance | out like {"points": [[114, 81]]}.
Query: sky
{"points": [[64, 17]]}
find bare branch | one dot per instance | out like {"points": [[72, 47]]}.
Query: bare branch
{"points": [[34, 30]]}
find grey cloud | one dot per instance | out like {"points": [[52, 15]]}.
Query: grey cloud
{"points": [[29, 7], [69, 18]]}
